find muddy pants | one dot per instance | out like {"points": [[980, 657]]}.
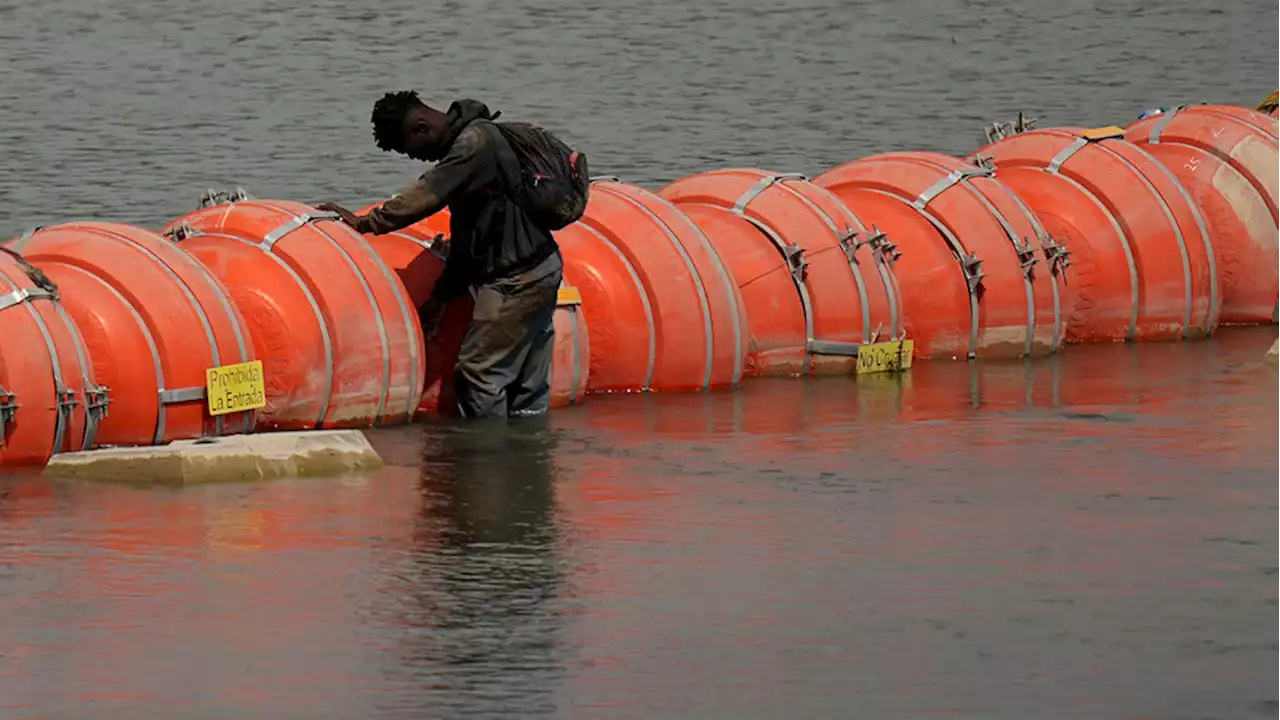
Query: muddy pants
{"points": [[504, 366]]}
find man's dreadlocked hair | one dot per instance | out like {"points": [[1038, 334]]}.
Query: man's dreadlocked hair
{"points": [[388, 117]]}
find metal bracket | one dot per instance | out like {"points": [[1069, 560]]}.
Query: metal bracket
{"points": [[181, 395], [211, 197], [972, 267], [65, 406], [1026, 256], [8, 410], [21, 295], [849, 244], [985, 162], [97, 398], [832, 347], [881, 244], [180, 232], [1057, 255], [796, 262], [999, 131], [292, 224]]}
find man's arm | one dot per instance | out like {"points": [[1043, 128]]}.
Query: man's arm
{"points": [[468, 167]]}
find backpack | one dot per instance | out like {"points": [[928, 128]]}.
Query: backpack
{"points": [[553, 186]]}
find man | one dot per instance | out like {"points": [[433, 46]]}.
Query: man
{"points": [[512, 266]]}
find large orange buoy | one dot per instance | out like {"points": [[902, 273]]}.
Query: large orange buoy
{"points": [[154, 321], [49, 400], [815, 280], [418, 261], [980, 277], [663, 310], [340, 341], [1142, 258], [1227, 161]]}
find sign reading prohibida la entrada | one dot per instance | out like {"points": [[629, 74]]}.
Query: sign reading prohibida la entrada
{"points": [[235, 388]]}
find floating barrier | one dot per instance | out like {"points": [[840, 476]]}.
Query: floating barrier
{"points": [[663, 309], [1226, 158], [980, 276], [1142, 261], [49, 400], [153, 319], [418, 259], [340, 341], [816, 282]]}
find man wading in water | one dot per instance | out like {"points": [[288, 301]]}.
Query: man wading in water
{"points": [[507, 186]]}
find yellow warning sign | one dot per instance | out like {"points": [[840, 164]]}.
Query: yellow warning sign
{"points": [[235, 388], [892, 356]]}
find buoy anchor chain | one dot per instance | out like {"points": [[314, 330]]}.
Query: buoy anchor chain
{"points": [[211, 197], [999, 131]]}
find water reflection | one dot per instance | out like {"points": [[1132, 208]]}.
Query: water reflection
{"points": [[1094, 532]]}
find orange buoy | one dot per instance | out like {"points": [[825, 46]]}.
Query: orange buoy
{"points": [[339, 339], [154, 321], [1142, 256], [418, 261], [980, 276], [49, 400], [816, 282], [663, 309], [1226, 160]]}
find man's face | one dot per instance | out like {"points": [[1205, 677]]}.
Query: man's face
{"points": [[420, 136]]}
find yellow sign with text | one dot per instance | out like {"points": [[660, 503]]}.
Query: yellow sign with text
{"points": [[235, 388], [885, 357]]}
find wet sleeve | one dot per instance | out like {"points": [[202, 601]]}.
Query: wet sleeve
{"points": [[467, 167]]}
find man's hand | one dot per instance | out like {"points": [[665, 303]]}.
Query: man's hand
{"points": [[347, 216], [429, 315]]}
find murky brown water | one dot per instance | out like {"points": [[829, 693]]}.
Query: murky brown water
{"points": [[1089, 537], [1093, 536]]}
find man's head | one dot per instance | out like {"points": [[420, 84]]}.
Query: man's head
{"points": [[403, 123]]}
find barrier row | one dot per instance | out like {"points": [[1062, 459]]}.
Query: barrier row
{"points": [[1160, 231]]}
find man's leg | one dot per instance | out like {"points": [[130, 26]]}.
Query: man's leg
{"points": [[530, 394], [509, 313]]}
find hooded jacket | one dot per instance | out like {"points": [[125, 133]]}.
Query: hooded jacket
{"points": [[490, 237]]}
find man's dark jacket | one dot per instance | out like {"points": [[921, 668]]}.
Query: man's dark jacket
{"points": [[489, 235]]}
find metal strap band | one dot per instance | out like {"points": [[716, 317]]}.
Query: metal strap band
{"points": [[66, 408], [1162, 123], [95, 396], [21, 295], [1177, 233], [8, 411], [411, 325], [650, 327], [833, 347], [944, 183], [214, 354], [793, 256], [576, 377], [882, 252], [62, 417], [969, 264], [1026, 258], [848, 244], [726, 279], [1124, 245], [1055, 165], [325, 341], [270, 239], [182, 395], [1055, 255], [377, 316], [1215, 299], [740, 206], [26, 238], [704, 303]]}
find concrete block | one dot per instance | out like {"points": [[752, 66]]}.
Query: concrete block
{"points": [[235, 458], [1273, 355]]}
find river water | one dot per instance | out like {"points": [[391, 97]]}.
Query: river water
{"points": [[1089, 536]]}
